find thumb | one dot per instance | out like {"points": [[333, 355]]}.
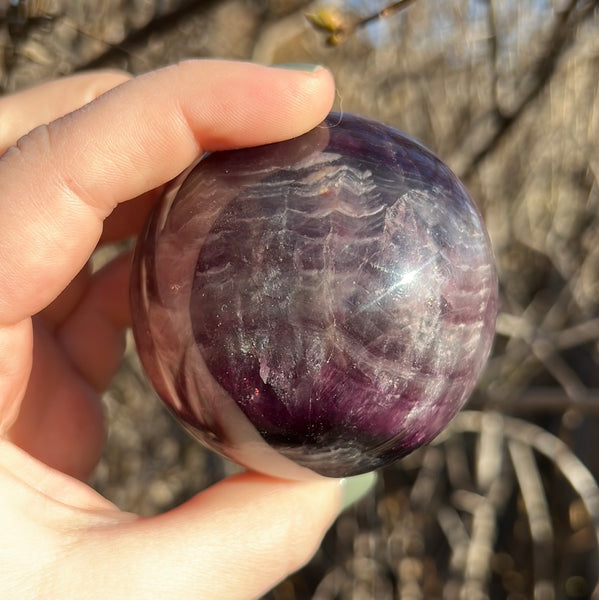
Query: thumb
{"points": [[234, 541]]}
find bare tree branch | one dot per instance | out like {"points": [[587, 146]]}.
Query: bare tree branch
{"points": [[562, 34], [157, 25], [339, 27]]}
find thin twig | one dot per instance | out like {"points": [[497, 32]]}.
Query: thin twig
{"points": [[493, 43], [538, 400], [539, 518], [571, 467], [339, 28], [561, 35]]}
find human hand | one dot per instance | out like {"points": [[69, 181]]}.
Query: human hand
{"points": [[85, 179]]}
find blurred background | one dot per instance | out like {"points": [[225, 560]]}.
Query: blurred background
{"points": [[505, 504]]}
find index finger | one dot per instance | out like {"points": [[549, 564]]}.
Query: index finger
{"points": [[62, 180]]}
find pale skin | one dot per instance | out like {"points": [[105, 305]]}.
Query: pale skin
{"points": [[80, 168]]}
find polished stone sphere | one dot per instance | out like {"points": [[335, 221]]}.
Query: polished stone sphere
{"points": [[324, 304]]}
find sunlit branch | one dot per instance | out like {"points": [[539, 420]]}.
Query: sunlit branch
{"points": [[339, 26]]}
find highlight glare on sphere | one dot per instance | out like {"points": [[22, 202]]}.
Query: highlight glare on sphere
{"points": [[324, 304]]}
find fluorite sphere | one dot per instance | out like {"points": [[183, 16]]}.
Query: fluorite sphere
{"points": [[324, 304]]}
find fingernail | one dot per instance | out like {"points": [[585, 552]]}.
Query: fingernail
{"points": [[353, 489], [297, 67]]}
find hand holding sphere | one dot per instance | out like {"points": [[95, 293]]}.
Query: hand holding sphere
{"points": [[86, 179]]}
